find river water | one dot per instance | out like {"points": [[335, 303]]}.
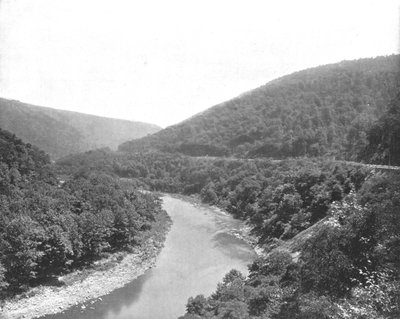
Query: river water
{"points": [[200, 248]]}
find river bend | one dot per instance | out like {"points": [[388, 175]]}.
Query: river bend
{"points": [[200, 248]]}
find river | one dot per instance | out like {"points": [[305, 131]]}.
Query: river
{"points": [[200, 248]]}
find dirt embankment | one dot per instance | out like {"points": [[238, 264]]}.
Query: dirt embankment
{"points": [[80, 286]]}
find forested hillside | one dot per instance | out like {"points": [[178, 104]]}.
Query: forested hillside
{"points": [[383, 145], [347, 267], [325, 110], [60, 133], [50, 227]]}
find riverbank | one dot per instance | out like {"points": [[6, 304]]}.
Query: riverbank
{"points": [[83, 286]]}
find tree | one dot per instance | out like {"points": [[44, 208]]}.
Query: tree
{"points": [[21, 254], [197, 305], [3, 283]]}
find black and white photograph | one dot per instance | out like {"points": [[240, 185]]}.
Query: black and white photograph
{"points": [[185, 159]]}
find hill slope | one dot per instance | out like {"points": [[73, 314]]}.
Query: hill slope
{"points": [[318, 111], [383, 137], [63, 132]]}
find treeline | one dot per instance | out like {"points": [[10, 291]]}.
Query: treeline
{"points": [[348, 267], [325, 110], [49, 227]]}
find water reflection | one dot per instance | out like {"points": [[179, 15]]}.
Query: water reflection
{"points": [[233, 246], [107, 306], [197, 253]]}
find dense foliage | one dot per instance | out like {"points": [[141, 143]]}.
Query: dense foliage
{"points": [[331, 231], [60, 132], [320, 111], [348, 268], [49, 227], [383, 145], [278, 198]]}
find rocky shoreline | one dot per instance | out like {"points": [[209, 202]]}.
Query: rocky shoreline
{"points": [[46, 300]]}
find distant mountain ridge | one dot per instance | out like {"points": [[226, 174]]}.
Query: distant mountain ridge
{"points": [[326, 110], [60, 132]]}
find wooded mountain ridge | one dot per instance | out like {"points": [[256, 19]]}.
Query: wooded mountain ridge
{"points": [[60, 132], [325, 110]]}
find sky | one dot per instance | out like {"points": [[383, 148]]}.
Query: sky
{"points": [[164, 61]]}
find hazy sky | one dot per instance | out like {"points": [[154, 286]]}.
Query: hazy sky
{"points": [[163, 61]]}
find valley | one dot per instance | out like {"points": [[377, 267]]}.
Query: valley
{"points": [[307, 166]]}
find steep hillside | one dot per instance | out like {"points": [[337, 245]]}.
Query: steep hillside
{"points": [[63, 132], [383, 138], [318, 111]]}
